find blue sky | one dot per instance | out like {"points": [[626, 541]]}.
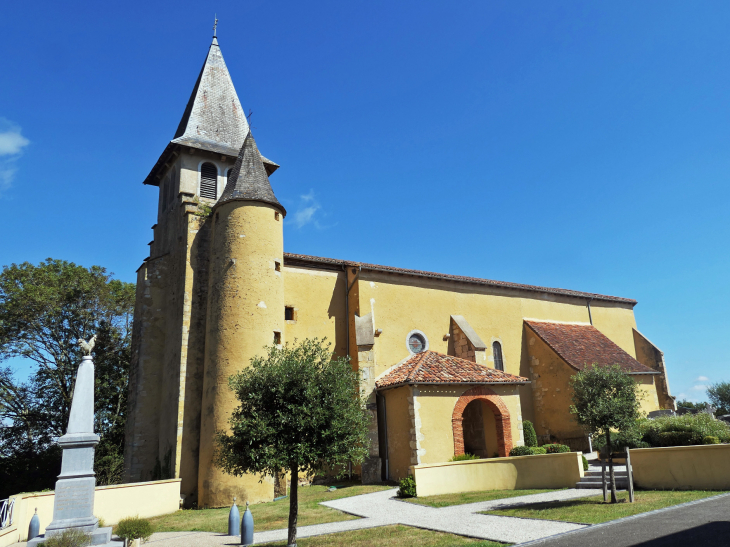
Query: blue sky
{"points": [[568, 144]]}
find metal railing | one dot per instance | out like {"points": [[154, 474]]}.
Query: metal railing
{"points": [[6, 512]]}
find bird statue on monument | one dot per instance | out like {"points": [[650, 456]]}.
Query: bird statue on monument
{"points": [[87, 346]]}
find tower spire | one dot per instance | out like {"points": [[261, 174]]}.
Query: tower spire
{"points": [[215, 25]]}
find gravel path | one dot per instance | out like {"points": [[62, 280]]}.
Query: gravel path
{"points": [[383, 509]]}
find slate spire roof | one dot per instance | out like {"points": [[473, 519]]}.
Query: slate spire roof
{"points": [[248, 179], [431, 367], [213, 118]]}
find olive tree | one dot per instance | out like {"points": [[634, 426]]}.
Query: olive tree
{"points": [[300, 410], [605, 399]]}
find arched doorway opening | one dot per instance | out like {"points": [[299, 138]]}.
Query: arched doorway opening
{"points": [[480, 430], [481, 416]]}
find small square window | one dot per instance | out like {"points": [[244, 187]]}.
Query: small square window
{"points": [[289, 313], [277, 265], [276, 215], [277, 338]]}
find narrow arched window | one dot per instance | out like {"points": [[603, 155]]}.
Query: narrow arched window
{"points": [[228, 173], [497, 353], [208, 181]]}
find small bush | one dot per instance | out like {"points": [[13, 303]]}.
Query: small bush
{"points": [[69, 538], [537, 450], [709, 439], [102, 522], [585, 463], [407, 487], [529, 432], [462, 457], [677, 438], [556, 448], [521, 451], [134, 528]]}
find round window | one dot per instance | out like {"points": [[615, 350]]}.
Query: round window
{"points": [[417, 342]]}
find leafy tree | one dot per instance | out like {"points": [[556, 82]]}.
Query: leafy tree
{"points": [[299, 410], [605, 399], [719, 394], [44, 310], [684, 403]]}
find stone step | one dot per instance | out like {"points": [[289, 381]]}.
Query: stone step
{"points": [[597, 486], [598, 473]]}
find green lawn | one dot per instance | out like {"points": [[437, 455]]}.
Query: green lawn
{"points": [[267, 516], [593, 510], [445, 500], [397, 535]]}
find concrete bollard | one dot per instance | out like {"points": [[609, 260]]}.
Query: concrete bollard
{"points": [[234, 520], [34, 528], [247, 527]]}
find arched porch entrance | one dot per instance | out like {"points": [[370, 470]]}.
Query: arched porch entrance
{"points": [[471, 428]]}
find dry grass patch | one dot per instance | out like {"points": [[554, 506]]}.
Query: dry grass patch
{"points": [[397, 535], [594, 510], [446, 500], [267, 516]]}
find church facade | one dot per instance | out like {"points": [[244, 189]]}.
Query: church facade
{"points": [[449, 364]]}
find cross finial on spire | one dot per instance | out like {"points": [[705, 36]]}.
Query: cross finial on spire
{"points": [[215, 25]]}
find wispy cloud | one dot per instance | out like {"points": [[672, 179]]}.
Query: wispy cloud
{"points": [[699, 387], [702, 379], [12, 143], [309, 211]]}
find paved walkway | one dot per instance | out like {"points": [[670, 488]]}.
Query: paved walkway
{"points": [[383, 509], [701, 522]]}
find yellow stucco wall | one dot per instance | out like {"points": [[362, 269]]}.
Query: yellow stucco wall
{"points": [[513, 473], [682, 467], [318, 297], [112, 503]]}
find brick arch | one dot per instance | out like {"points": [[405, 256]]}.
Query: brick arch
{"points": [[501, 418]]}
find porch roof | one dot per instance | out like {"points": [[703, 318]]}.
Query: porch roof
{"points": [[430, 367]]}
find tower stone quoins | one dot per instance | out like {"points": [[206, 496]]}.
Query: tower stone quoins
{"points": [[501, 419]]}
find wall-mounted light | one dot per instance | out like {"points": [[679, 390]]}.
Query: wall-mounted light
{"points": [[378, 332], [446, 337]]}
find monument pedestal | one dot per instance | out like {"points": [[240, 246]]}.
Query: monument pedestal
{"points": [[73, 505]]}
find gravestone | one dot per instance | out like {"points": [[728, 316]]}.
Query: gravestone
{"points": [[73, 506]]}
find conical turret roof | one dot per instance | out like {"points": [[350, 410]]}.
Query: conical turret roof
{"points": [[213, 117], [248, 179]]}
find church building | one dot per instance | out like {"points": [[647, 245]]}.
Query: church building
{"points": [[449, 364]]}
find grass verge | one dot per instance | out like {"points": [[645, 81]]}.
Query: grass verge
{"points": [[446, 500], [594, 510], [397, 535], [267, 516]]}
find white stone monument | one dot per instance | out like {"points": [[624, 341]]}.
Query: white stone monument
{"points": [[73, 506]]}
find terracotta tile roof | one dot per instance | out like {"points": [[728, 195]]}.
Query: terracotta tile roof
{"points": [[582, 345], [296, 259], [430, 367]]}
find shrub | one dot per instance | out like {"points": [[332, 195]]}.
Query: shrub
{"points": [[621, 440], [585, 463], [69, 538], [529, 432], [521, 451], [527, 451], [556, 448], [462, 457], [407, 487], [689, 429], [134, 528], [709, 439], [102, 522]]}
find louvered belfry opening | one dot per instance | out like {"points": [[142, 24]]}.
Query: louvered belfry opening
{"points": [[208, 181]]}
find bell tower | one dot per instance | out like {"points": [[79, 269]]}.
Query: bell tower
{"points": [[169, 335]]}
